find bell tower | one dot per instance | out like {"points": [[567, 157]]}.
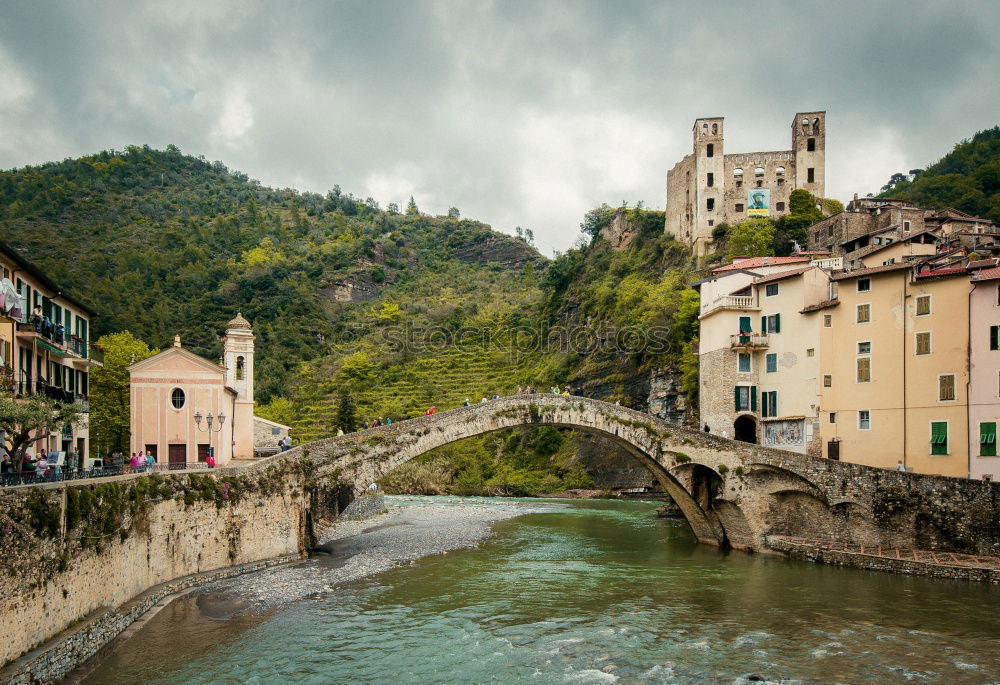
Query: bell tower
{"points": [[237, 357]]}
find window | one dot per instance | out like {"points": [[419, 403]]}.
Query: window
{"points": [[737, 172], [743, 362], [810, 145], [745, 325], [923, 305], [710, 150], [864, 313], [780, 206], [771, 362], [939, 437], [998, 295], [715, 129], [988, 439], [828, 321], [770, 324], [946, 387], [995, 337], [769, 404], [759, 172], [711, 222], [827, 380], [771, 289], [864, 366], [891, 260], [864, 285], [810, 352], [833, 417], [906, 227], [779, 171], [923, 342], [739, 206], [865, 347], [177, 398], [864, 419], [746, 398], [711, 180], [710, 204], [810, 175], [239, 368]]}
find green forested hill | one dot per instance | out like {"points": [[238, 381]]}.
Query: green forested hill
{"points": [[967, 178], [163, 243]]}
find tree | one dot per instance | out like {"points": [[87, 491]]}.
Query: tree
{"points": [[453, 213], [596, 219], [752, 238], [411, 207], [347, 418], [28, 419], [109, 391], [529, 236], [392, 208]]}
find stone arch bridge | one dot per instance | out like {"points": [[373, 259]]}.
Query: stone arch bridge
{"points": [[732, 494]]}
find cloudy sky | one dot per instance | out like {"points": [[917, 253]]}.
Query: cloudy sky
{"points": [[517, 113]]}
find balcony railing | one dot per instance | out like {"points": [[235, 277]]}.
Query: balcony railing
{"points": [[748, 340], [26, 385], [731, 302]]}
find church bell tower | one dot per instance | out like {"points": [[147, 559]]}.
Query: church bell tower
{"points": [[238, 360]]}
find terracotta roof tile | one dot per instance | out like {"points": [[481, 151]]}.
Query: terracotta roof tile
{"points": [[987, 274], [756, 262], [780, 275], [825, 304], [857, 273]]}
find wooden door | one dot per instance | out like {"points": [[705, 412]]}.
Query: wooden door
{"points": [[203, 451], [833, 449], [152, 450], [178, 456]]}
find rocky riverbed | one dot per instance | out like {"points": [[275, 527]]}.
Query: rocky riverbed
{"points": [[413, 527]]}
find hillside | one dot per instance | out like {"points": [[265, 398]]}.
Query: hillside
{"points": [[163, 243], [967, 178]]}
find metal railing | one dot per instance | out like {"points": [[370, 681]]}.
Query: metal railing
{"points": [[748, 340], [59, 473]]}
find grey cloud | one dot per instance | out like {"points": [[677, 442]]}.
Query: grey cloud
{"points": [[516, 112]]}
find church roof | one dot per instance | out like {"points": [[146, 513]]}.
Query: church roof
{"points": [[238, 322]]}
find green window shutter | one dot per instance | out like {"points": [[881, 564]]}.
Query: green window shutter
{"points": [[939, 437], [745, 325], [736, 397], [763, 325], [995, 337], [988, 439], [777, 323], [753, 398]]}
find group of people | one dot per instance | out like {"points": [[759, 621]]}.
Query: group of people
{"points": [[44, 466], [142, 462]]}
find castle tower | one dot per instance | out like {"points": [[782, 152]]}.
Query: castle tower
{"points": [[809, 146], [708, 184], [238, 359]]}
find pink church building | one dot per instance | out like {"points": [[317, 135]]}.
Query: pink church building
{"points": [[184, 407]]}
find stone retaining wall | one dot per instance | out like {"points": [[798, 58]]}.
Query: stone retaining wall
{"points": [[58, 658], [881, 563]]}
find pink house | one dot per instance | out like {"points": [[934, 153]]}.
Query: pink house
{"points": [[984, 373], [184, 407]]}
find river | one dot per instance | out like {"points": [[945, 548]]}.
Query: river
{"points": [[585, 592]]}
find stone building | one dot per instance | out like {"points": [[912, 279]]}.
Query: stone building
{"points": [[173, 392], [708, 187]]}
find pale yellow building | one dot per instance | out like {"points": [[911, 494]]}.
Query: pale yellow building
{"points": [[45, 347], [894, 384]]}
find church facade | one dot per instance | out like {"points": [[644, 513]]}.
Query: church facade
{"points": [[173, 393]]}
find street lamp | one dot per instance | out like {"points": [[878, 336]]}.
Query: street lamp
{"points": [[209, 419]]}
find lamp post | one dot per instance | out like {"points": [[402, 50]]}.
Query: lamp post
{"points": [[209, 419]]}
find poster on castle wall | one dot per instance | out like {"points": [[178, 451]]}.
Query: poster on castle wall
{"points": [[759, 202], [782, 433]]}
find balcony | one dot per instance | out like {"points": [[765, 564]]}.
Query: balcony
{"points": [[737, 302], [748, 341], [829, 264]]}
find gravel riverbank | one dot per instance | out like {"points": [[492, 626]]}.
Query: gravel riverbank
{"points": [[413, 527]]}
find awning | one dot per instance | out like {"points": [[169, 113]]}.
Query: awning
{"points": [[50, 348]]}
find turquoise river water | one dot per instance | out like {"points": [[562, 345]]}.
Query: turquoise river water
{"points": [[588, 592]]}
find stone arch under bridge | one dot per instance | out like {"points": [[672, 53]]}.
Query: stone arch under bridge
{"points": [[731, 493]]}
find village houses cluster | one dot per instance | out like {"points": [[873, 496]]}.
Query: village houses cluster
{"points": [[879, 344]]}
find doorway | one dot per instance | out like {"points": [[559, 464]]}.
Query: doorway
{"points": [[745, 429], [178, 456]]}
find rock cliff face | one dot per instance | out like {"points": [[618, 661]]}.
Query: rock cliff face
{"points": [[666, 397], [498, 249], [621, 232]]}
